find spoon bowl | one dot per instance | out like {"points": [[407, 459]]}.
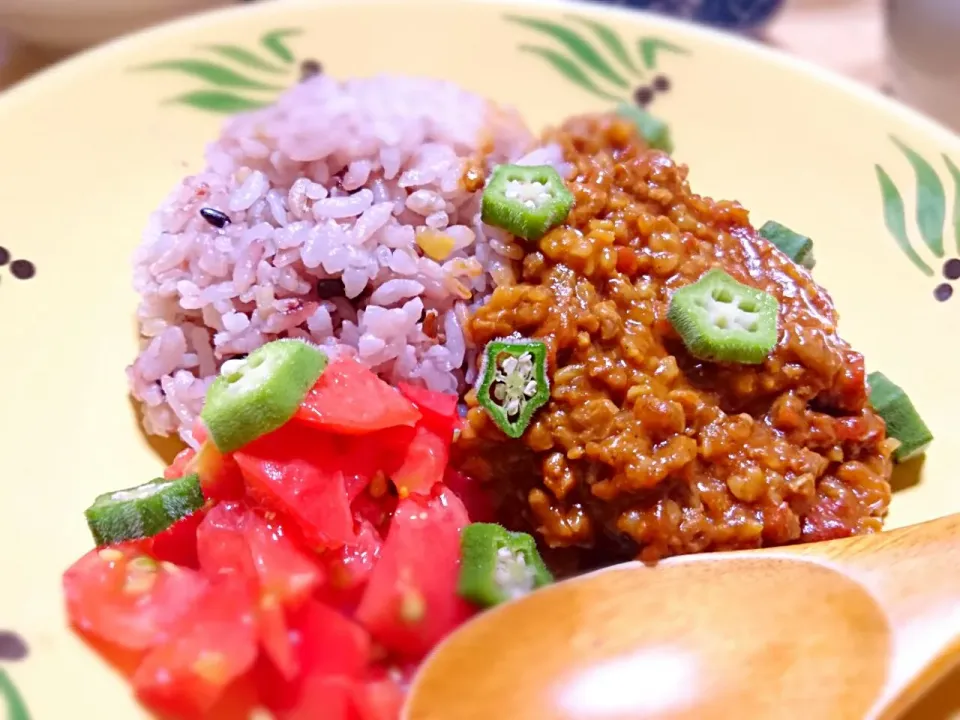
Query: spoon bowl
{"points": [[854, 628]]}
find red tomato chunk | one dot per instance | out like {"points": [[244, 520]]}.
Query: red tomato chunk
{"points": [[411, 601], [300, 476], [350, 399], [216, 644], [438, 410], [423, 465], [120, 595]]}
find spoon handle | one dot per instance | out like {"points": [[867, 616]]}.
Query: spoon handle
{"points": [[914, 575]]}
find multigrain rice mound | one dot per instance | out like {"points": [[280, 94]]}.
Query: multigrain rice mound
{"points": [[352, 221]]}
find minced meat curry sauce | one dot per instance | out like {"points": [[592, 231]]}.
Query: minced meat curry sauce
{"points": [[643, 450]]}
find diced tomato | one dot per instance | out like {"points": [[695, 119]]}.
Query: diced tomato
{"points": [[475, 499], [221, 545], [276, 638], [284, 570], [327, 644], [376, 511], [323, 696], [348, 568], [350, 399], [438, 410], [379, 700], [423, 465], [122, 596], [178, 467], [219, 474], [363, 456], [298, 474], [238, 541], [178, 543], [216, 644], [410, 602], [331, 643]]}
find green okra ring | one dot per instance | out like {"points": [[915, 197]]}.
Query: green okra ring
{"points": [[143, 511], [525, 200], [257, 395], [512, 383], [722, 320], [498, 565]]}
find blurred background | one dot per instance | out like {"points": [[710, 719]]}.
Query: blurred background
{"points": [[906, 48]]}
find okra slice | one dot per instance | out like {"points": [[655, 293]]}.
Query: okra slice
{"points": [[795, 246], [256, 395], [652, 129], [512, 383], [525, 200], [722, 320], [143, 511], [498, 565], [904, 423]]}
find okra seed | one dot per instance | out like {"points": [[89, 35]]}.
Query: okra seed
{"points": [[231, 367], [413, 607]]}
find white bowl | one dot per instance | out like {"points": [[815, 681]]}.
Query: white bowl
{"points": [[69, 25]]}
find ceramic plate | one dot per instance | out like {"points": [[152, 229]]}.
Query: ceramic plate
{"points": [[91, 147]]}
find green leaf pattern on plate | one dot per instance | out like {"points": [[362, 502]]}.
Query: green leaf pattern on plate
{"points": [[612, 42], [274, 42], [212, 73], [930, 220], [245, 57], [593, 56], [650, 47], [931, 201], [569, 69], [10, 699], [235, 78], [955, 178]]}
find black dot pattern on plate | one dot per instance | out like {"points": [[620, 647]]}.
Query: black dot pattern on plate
{"points": [[943, 292], [4, 256], [643, 96], [661, 83], [12, 646], [23, 269], [951, 269]]}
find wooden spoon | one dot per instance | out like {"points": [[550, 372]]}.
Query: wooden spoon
{"points": [[847, 629]]}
